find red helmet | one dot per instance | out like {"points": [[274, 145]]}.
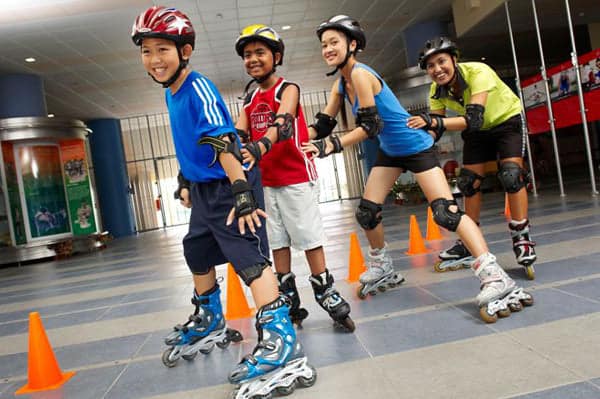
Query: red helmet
{"points": [[165, 23]]}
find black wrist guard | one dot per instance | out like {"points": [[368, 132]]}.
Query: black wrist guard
{"points": [[337, 144], [244, 136], [439, 129], [182, 183], [243, 198], [323, 125]]}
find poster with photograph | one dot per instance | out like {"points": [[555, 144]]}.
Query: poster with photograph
{"points": [[77, 181]]}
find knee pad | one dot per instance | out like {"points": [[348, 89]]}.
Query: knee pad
{"points": [[444, 216], [368, 214], [466, 182], [253, 272], [512, 177]]}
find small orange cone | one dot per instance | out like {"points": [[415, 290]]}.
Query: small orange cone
{"points": [[433, 230], [416, 246], [237, 305], [506, 207], [356, 261], [44, 373]]}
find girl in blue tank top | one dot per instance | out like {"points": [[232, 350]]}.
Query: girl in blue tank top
{"points": [[379, 114]]}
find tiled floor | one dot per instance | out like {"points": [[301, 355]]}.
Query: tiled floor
{"points": [[106, 315]]}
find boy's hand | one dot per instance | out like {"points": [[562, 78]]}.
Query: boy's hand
{"points": [[184, 198], [248, 157], [252, 220]]}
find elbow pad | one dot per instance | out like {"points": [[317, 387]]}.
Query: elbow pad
{"points": [[474, 117], [323, 125], [220, 145], [285, 129], [368, 118]]}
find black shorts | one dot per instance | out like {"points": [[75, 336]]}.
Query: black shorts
{"points": [[209, 242], [503, 141], [416, 163]]}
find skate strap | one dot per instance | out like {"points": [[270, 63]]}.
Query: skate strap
{"points": [[486, 278], [524, 242]]}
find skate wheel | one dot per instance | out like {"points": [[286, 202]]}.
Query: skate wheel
{"points": [[285, 391], [437, 267], [166, 358], [504, 312], [360, 293], [488, 318], [530, 271], [189, 357], [208, 349], [515, 307], [457, 267], [382, 288], [308, 382], [224, 344], [234, 335], [527, 301]]}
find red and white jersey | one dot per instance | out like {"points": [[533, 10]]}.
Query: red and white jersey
{"points": [[285, 164]]}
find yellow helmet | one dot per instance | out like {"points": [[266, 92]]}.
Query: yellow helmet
{"points": [[262, 33]]}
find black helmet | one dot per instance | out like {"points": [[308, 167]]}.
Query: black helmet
{"points": [[346, 24], [435, 46]]}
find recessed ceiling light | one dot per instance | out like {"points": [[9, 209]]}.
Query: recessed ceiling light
{"points": [[482, 58], [50, 115], [286, 27], [29, 59]]}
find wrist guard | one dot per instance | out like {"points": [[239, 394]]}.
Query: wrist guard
{"points": [[243, 198], [182, 183], [254, 149], [323, 125], [439, 129], [322, 146]]}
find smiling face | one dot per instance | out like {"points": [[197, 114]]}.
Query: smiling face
{"points": [[259, 59], [161, 58], [440, 68], [334, 47]]}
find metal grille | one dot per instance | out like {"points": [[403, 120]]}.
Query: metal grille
{"points": [[152, 167]]}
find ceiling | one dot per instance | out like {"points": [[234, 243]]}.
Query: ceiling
{"points": [[91, 69]]}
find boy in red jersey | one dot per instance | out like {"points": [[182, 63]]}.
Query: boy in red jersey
{"points": [[274, 124]]}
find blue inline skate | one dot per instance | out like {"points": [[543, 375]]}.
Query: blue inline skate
{"points": [[277, 363], [203, 330], [287, 287], [331, 300]]}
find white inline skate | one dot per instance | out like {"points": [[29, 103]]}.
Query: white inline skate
{"points": [[523, 247], [380, 274], [277, 363], [454, 258], [499, 293]]}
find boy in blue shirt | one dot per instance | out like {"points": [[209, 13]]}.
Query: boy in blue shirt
{"points": [[213, 181]]}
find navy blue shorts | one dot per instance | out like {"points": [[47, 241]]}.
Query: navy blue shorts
{"points": [[209, 242]]}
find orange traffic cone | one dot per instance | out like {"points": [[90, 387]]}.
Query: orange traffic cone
{"points": [[416, 246], [356, 261], [506, 207], [433, 230], [44, 372], [237, 305]]}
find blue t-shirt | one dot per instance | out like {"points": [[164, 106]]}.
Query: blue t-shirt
{"points": [[197, 110], [396, 139]]}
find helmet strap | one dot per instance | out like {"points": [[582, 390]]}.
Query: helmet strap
{"points": [[182, 64], [343, 63]]}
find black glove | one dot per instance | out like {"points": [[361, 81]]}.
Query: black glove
{"points": [[182, 183], [243, 197]]}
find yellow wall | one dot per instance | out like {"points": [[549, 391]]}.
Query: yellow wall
{"points": [[467, 13]]}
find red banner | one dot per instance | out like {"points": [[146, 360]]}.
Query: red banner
{"points": [[562, 82]]}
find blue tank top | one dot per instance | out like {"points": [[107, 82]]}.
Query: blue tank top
{"points": [[396, 139]]}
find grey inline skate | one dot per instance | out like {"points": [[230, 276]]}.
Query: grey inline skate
{"points": [[380, 274], [203, 330], [455, 258], [523, 247], [331, 300], [499, 294], [277, 363], [287, 287]]}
